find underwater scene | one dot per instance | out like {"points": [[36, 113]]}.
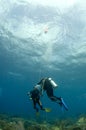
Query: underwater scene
{"points": [[42, 65]]}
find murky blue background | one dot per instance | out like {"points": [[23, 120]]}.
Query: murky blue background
{"points": [[38, 40]]}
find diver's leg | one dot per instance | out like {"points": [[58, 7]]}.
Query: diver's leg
{"points": [[35, 107], [40, 104], [55, 99], [51, 95]]}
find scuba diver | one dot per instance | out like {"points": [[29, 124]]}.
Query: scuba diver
{"points": [[47, 84], [35, 96]]}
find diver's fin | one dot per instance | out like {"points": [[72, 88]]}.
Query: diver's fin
{"points": [[63, 104], [47, 109]]}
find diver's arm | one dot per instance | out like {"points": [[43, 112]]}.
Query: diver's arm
{"points": [[42, 86], [41, 91]]}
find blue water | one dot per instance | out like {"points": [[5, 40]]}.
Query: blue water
{"points": [[37, 41]]}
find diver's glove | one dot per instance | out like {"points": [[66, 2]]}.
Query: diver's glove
{"points": [[29, 94]]}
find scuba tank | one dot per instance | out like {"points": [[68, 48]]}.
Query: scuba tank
{"points": [[54, 85]]}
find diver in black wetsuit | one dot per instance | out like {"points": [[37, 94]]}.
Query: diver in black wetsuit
{"points": [[35, 96], [47, 85]]}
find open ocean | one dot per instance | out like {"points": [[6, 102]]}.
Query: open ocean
{"points": [[42, 39]]}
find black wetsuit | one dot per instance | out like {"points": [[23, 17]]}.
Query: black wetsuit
{"points": [[35, 95], [47, 86]]}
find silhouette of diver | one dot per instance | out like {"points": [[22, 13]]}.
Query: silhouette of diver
{"points": [[35, 96], [47, 84]]}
